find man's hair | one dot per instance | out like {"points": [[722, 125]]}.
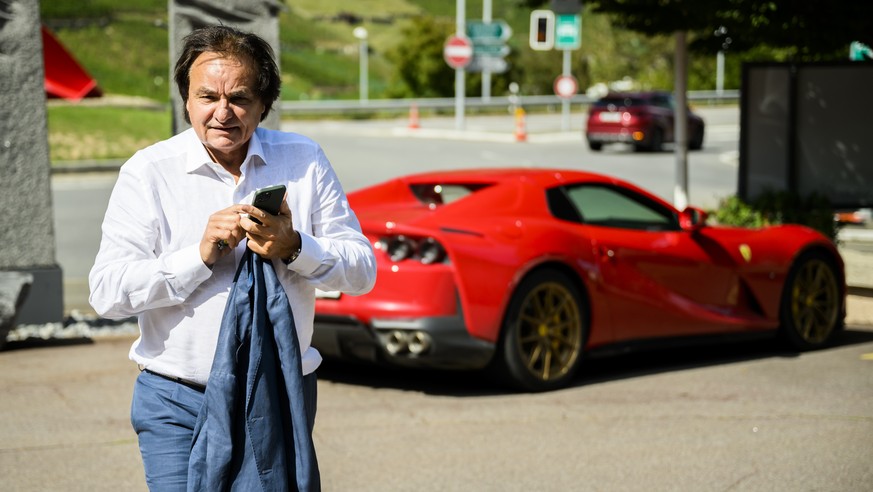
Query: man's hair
{"points": [[228, 41]]}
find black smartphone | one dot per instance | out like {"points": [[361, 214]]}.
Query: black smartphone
{"points": [[269, 200]]}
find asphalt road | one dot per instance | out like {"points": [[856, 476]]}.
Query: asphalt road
{"points": [[747, 417]]}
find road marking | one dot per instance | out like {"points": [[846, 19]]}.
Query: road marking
{"points": [[867, 356], [730, 158]]}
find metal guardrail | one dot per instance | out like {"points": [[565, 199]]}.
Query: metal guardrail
{"points": [[448, 103]]}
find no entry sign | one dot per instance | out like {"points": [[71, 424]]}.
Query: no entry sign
{"points": [[458, 52]]}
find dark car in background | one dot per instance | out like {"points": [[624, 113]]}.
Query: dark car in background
{"points": [[642, 119]]}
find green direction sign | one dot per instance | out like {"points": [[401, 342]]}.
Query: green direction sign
{"points": [[491, 64], [491, 49], [494, 32], [489, 41], [568, 32]]}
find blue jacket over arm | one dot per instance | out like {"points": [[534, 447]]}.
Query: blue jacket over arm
{"points": [[252, 432]]}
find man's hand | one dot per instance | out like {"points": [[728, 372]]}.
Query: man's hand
{"points": [[275, 237], [222, 234]]}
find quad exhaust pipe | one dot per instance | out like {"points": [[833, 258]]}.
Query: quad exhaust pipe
{"points": [[407, 342]]}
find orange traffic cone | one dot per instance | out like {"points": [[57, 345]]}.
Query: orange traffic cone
{"points": [[413, 116], [520, 127]]}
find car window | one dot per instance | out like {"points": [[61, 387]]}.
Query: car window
{"points": [[663, 101], [443, 193], [609, 206], [618, 102]]}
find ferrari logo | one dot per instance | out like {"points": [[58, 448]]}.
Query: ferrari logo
{"points": [[746, 252]]}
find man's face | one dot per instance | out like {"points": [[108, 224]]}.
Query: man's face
{"points": [[223, 105]]}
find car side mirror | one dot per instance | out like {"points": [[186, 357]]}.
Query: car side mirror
{"points": [[692, 219]]}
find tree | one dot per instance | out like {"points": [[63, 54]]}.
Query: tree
{"points": [[809, 30], [421, 71]]}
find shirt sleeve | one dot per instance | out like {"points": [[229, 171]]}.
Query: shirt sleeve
{"points": [[335, 254], [130, 275]]}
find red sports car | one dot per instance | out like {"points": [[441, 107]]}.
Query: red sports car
{"points": [[525, 271]]}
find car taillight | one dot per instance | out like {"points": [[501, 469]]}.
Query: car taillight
{"points": [[426, 250]]}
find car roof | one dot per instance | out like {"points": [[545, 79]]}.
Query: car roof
{"points": [[545, 177], [639, 95], [519, 176], [486, 184]]}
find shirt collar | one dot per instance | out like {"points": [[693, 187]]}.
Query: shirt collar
{"points": [[197, 156]]}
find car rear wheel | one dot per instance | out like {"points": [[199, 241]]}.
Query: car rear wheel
{"points": [[811, 307], [656, 142], [696, 142], [595, 146], [543, 334]]}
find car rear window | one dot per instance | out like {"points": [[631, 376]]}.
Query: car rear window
{"points": [[444, 193], [619, 101]]}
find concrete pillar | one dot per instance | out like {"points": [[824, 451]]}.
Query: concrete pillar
{"points": [[27, 241], [257, 16]]}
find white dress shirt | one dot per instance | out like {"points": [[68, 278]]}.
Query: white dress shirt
{"points": [[149, 262]]}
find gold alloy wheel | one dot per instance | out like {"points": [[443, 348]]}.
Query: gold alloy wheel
{"points": [[814, 302], [549, 331]]}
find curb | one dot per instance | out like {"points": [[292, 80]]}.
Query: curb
{"points": [[86, 166]]}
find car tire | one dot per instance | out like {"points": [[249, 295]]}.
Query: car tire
{"points": [[811, 307], [595, 146], [655, 144], [696, 142], [543, 333]]}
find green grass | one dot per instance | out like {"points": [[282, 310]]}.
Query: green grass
{"points": [[364, 8], [319, 55], [82, 132], [127, 56], [94, 9]]}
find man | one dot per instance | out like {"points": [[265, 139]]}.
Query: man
{"points": [[177, 225]]}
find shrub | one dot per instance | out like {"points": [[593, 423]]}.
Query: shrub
{"points": [[779, 207]]}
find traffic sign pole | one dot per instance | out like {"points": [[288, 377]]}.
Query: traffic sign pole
{"points": [[486, 73], [460, 92], [565, 102], [568, 37]]}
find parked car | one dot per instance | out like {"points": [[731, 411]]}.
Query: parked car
{"points": [[527, 271], [642, 119]]}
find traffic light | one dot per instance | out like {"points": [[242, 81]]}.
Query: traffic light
{"points": [[542, 30]]}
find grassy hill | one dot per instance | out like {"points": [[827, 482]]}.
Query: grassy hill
{"points": [[124, 45]]}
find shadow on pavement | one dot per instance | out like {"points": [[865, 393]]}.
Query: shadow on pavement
{"points": [[694, 357], [593, 370], [35, 343]]}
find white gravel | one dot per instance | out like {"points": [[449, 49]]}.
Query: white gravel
{"points": [[76, 325]]}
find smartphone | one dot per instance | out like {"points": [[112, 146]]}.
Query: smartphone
{"points": [[269, 200]]}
